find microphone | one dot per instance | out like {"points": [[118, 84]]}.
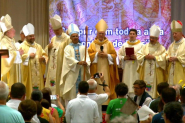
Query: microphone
{"points": [[101, 48]]}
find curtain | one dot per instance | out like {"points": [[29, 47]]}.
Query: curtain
{"points": [[28, 11], [177, 12]]}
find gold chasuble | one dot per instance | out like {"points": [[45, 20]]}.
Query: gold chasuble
{"points": [[55, 62], [102, 65], [32, 69], [130, 74], [9, 71], [152, 71], [176, 69]]}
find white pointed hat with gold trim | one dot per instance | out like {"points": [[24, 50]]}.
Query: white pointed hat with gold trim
{"points": [[155, 31], [7, 23], [101, 26], [56, 22], [176, 26], [28, 29]]}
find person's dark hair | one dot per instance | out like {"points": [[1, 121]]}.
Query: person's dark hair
{"points": [[46, 95], [39, 108], [83, 87], [45, 104], [168, 95], [182, 95], [36, 95], [28, 109], [134, 30], [18, 90], [173, 112], [121, 89], [141, 83], [161, 86]]}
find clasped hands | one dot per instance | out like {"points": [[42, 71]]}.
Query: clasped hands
{"points": [[171, 59], [130, 57], [102, 54], [82, 63], [150, 57]]}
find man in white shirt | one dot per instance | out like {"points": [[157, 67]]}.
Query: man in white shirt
{"points": [[17, 94], [82, 109], [141, 96], [98, 98]]}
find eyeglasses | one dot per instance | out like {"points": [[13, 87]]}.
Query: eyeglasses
{"points": [[136, 88]]}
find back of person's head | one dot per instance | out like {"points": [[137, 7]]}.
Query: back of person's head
{"points": [[161, 86], [83, 87], [168, 95], [39, 108], [141, 83], [28, 109], [4, 90], [45, 104], [182, 95], [92, 84], [36, 95], [121, 89], [18, 90], [124, 119], [173, 112], [46, 94]]}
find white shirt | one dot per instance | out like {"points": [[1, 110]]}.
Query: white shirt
{"points": [[82, 110], [14, 104], [146, 102], [99, 99]]}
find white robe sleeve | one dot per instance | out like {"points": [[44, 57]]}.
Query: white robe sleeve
{"points": [[95, 58], [110, 59], [18, 59], [71, 61]]}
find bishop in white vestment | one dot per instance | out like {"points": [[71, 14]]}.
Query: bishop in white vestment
{"points": [[73, 65], [152, 62], [55, 51]]}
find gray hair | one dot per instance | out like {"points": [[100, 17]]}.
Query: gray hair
{"points": [[124, 119], [92, 86], [4, 90], [177, 88]]}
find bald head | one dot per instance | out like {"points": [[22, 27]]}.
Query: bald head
{"points": [[4, 90], [92, 84]]}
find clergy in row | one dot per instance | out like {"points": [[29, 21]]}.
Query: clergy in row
{"points": [[55, 52], [152, 62], [9, 66], [129, 64], [176, 55], [73, 65], [34, 60], [103, 59]]}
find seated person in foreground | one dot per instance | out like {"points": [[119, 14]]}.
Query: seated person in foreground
{"points": [[114, 107], [28, 109], [142, 97], [155, 103]]}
